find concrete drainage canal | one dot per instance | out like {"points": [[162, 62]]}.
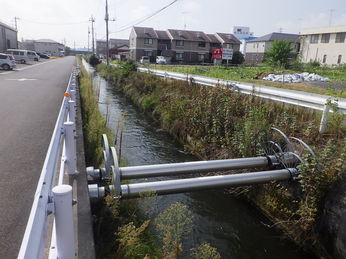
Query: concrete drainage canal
{"points": [[231, 225]]}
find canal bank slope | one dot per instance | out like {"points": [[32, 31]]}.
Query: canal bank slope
{"points": [[216, 123]]}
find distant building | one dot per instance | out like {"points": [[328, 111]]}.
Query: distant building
{"points": [[45, 46], [8, 37], [180, 45], [244, 42], [116, 47], [242, 32], [256, 48], [326, 45]]}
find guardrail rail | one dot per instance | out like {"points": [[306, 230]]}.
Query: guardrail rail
{"points": [[53, 198]]}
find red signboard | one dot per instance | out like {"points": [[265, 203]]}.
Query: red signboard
{"points": [[216, 53]]}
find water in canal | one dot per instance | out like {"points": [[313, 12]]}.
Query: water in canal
{"points": [[231, 225]]}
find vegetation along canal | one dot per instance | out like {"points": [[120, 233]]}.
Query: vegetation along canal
{"points": [[231, 225]]}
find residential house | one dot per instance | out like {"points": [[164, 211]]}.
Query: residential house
{"points": [[45, 46], [189, 46], [181, 46], [8, 37], [326, 45], [143, 42], [256, 48], [116, 46]]}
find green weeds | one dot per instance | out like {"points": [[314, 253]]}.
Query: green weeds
{"points": [[216, 123]]}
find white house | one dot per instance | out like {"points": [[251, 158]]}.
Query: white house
{"points": [[326, 45]]}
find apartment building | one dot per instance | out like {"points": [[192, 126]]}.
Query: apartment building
{"points": [[8, 37], [181, 45], [256, 48], [326, 45]]}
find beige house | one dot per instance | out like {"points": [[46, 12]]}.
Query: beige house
{"points": [[256, 48], [326, 45]]}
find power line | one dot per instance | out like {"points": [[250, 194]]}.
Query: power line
{"points": [[128, 26], [54, 24]]}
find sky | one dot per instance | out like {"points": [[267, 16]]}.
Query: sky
{"points": [[68, 20]]}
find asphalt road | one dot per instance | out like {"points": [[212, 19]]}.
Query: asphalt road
{"points": [[29, 104]]}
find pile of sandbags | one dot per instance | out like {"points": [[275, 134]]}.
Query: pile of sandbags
{"points": [[296, 78]]}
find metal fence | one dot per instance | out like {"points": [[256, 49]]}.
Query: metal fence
{"points": [[298, 98], [52, 197]]}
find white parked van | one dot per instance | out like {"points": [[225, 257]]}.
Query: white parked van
{"points": [[20, 55]]}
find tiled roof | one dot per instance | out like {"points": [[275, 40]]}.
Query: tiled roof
{"points": [[228, 38], [277, 36], [145, 32], [213, 38], [188, 35], [162, 35]]}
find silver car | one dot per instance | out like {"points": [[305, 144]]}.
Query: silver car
{"points": [[7, 61]]}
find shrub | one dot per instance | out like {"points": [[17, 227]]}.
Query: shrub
{"points": [[238, 58], [205, 251], [279, 54], [94, 60], [174, 223]]}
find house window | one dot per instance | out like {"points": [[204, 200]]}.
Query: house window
{"points": [[200, 57], [201, 44], [314, 38], [8, 44], [148, 53], [324, 59], [179, 56], [339, 59], [230, 46], [340, 37], [148, 41], [179, 43], [325, 38]]}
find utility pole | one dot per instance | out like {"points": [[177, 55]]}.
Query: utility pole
{"points": [[88, 39], [15, 23], [330, 16], [107, 36], [92, 20]]}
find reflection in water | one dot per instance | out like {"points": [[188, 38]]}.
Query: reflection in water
{"points": [[231, 225]]}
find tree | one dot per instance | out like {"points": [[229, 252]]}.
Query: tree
{"points": [[238, 57], [279, 54]]}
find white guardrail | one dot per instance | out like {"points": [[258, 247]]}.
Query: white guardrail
{"points": [[299, 98], [52, 197]]}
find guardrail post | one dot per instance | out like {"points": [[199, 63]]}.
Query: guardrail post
{"points": [[72, 110], [64, 221], [70, 147], [324, 119], [73, 95]]}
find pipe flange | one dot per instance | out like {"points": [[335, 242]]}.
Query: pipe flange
{"points": [[115, 172], [106, 154]]}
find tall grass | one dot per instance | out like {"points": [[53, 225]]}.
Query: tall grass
{"points": [[94, 125], [216, 123]]}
